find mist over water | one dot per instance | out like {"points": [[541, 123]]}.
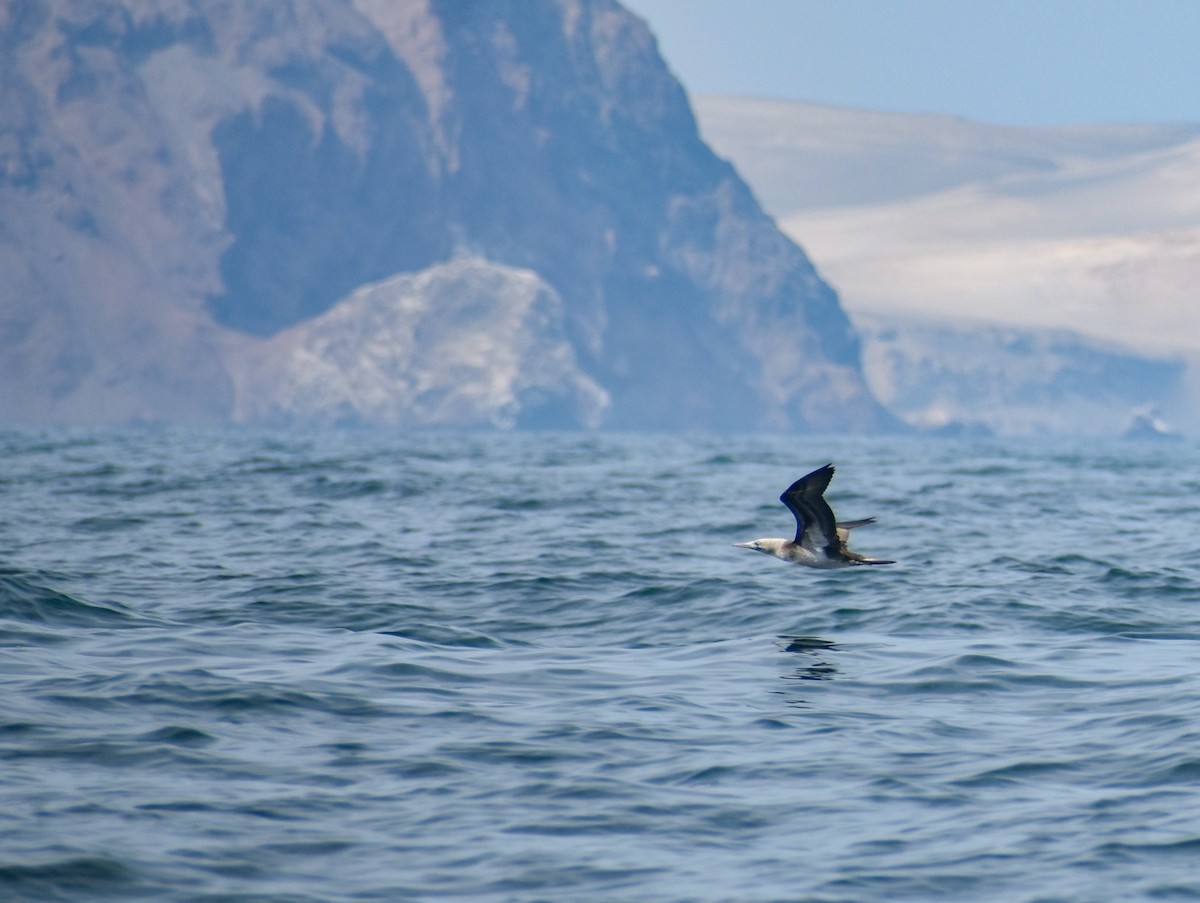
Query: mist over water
{"points": [[368, 666]]}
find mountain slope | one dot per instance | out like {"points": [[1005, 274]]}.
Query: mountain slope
{"points": [[182, 183], [1064, 228], [967, 252]]}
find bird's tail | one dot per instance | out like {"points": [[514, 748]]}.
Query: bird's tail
{"points": [[851, 524], [843, 529]]}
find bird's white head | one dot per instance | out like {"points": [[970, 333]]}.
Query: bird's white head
{"points": [[770, 546]]}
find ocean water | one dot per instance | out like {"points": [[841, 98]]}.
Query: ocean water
{"points": [[373, 667]]}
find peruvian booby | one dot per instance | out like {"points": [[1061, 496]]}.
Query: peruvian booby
{"points": [[820, 540]]}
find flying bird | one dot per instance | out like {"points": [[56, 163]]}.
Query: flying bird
{"points": [[820, 540]]}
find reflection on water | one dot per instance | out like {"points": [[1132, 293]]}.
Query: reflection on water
{"points": [[807, 643], [816, 666]]}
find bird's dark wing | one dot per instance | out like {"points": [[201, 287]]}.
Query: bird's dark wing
{"points": [[816, 527]]}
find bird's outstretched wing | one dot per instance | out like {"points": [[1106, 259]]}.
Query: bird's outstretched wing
{"points": [[816, 527]]}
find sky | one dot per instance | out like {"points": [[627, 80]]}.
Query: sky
{"points": [[1009, 62]]}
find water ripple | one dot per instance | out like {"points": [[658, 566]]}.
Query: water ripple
{"points": [[265, 666]]}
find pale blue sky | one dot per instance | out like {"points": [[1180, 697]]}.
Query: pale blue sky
{"points": [[1015, 62]]}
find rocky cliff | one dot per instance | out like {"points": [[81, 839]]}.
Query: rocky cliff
{"points": [[403, 211]]}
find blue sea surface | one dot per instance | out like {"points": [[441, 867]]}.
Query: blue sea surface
{"points": [[368, 666]]}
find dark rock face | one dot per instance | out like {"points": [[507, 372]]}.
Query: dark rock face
{"points": [[221, 175], [314, 212]]}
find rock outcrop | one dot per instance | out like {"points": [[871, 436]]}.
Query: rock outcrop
{"points": [[465, 342]]}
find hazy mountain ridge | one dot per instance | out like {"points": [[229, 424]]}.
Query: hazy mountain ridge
{"points": [[979, 228], [854, 156], [182, 182]]}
